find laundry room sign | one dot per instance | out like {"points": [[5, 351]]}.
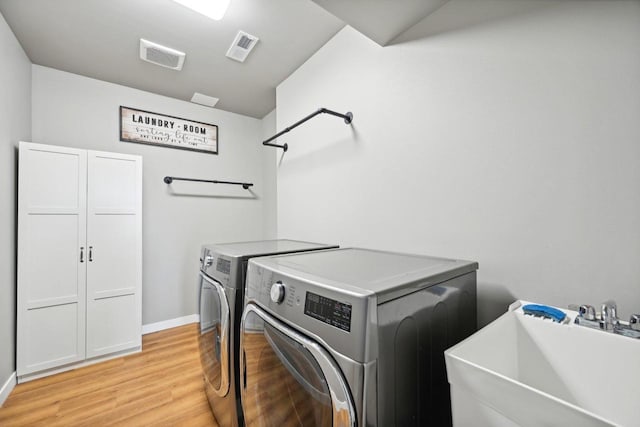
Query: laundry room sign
{"points": [[145, 127]]}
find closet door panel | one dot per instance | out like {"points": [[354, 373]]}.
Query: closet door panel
{"points": [[113, 248], [114, 270], [54, 178], [51, 257], [112, 327], [54, 256], [48, 344], [113, 183]]}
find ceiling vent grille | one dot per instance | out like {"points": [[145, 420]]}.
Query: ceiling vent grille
{"points": [[202, 99], [161, 55], [241, 46]]}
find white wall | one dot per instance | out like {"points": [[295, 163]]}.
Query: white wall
{"points": [[15, 124], [497, 131], [269, 180], [76, 111]]}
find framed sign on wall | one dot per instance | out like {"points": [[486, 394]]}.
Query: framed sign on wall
{"points": [[145, 127]]}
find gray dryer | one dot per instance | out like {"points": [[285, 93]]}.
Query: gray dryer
{"points": [[352, 337], [221, 282]]}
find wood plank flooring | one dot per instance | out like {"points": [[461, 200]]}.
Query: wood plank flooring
{"points": [[161, 386]]}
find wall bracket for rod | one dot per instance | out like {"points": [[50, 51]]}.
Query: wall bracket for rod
{"points": [[170, 179], [348, 118]]}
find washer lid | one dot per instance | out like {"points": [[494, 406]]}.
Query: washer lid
{"points": [[387, 274], [264, 247]]}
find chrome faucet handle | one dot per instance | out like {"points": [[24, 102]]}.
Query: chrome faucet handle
{"points": [[586, 316], [609, 315], [634, 322], [588, 312]]}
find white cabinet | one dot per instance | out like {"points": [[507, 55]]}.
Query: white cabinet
{"points": [[52, 216], [79, 257], [114, 270]]}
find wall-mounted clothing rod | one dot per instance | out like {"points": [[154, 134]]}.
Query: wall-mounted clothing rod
{"points": [[348, 118], [170, 179]]}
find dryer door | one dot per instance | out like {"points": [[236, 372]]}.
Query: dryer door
{"points": [[289, 379], [214, 335]]}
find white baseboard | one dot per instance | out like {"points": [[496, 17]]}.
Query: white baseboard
{"points": [[52, 371], [6, 389], [171, 323]]}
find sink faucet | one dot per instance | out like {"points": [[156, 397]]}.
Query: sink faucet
{"points": [[634, 322], [608, 320], [609, 316]]}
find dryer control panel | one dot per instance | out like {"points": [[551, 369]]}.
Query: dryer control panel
{"points": [[329, 314], [329, 311], [223, 265], [277, 292]]}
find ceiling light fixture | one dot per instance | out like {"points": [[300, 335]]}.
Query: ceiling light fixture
{"points": [[214, 9]]}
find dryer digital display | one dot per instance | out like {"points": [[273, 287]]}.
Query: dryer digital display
{"points": [[329, 311], [223, 265]]}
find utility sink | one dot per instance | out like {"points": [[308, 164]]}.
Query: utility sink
{"points": [[528, 371]]}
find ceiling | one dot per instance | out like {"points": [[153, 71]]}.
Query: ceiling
{"points": [[100, 39], [381, 20]]}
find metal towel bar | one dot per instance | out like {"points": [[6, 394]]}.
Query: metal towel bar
{"points": [[170, 179], [348, 118]]}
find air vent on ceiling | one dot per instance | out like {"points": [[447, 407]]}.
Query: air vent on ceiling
{"points": [[241, 46], [202, 99], [161, 55]]}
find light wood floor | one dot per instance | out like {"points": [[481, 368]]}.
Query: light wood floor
{"points": [[161, 386]]}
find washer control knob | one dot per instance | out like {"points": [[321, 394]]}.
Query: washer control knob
{"points": [[277, 292]]}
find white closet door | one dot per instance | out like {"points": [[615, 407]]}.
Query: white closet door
{"points": [[114, 240], [51, 256]]}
